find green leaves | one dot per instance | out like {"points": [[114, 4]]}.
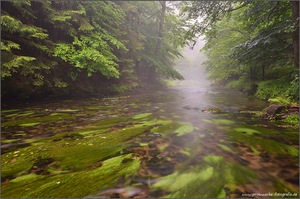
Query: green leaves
{"points": [[10, 65], [253, 44], [58, 46], [90, 53], [9, 45]]}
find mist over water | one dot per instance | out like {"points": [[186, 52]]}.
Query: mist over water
{"points": [[191, 66]]}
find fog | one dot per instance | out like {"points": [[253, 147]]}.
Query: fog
{"points": [[191, 65]]}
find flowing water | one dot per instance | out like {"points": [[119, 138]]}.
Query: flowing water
{"points": [[188, 141]]}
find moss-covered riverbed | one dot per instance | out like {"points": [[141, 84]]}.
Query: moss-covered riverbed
{"points": [[141, 146]]}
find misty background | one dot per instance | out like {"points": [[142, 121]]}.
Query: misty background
{"points": [[191, 65]]}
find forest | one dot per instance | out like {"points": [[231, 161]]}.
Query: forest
{"points": [[105, 47], [149, 99]]}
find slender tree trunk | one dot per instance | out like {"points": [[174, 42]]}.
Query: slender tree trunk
{"points": [[161, 28], [295, 15]]}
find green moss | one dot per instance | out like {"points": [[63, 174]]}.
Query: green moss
{"points": [[29, 124], [26, 178], [214, 159], [238, 174], [73, 154], [247, 130], [74, 185], [256, 152], [102, 108], [166, 128], [223, 121], [8, 141], [177, 181], [49, 118], [268, 145], [225, 148], [67, 110], [222, 194], [141, 116], [184, 129], [207, 180], [14, 166]]}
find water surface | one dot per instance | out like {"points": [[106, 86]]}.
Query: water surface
{"points": [[188, 141]]}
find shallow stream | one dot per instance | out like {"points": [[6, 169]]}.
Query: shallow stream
{"points": [[187, 141]]}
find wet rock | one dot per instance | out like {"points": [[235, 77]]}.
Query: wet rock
{"points": [[273, 111], [280, 112]]}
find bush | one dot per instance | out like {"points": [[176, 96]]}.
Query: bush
{"points": [[274, 89], [240, 84], [292, 119]]}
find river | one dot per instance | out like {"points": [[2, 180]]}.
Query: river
{"points": [[191, 140]]}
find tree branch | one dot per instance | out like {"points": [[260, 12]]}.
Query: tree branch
{"points": [[241, 6]]}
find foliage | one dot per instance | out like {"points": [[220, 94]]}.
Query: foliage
{"points": [[73, 46], [279, 100], [273, 88], [253, 44], [292, 119]]}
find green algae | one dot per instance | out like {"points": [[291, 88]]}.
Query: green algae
{"points": [[74, 185], [27, 113], [223, 121], [219, 121], [268, 145], [98, 108], [50, 118], [167, 127], [177, 181], [222, 194], [255, 152], [247, 130], [225, 148], [184, 129], [79, 153], [207, 180], [67, 110], [8, 141], [142, 116], [29, 124], [213, 159], [26, 178]]}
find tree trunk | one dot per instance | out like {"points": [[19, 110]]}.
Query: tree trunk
{"points": [[295, 15], [161, 28]]}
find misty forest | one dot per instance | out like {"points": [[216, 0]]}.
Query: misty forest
{"points": [[149, 99]]}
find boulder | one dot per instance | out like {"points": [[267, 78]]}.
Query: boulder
{"points": [[273, 111]]}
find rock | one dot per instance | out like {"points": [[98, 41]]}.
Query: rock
{"points": [[273, 111], [280, 112]]}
